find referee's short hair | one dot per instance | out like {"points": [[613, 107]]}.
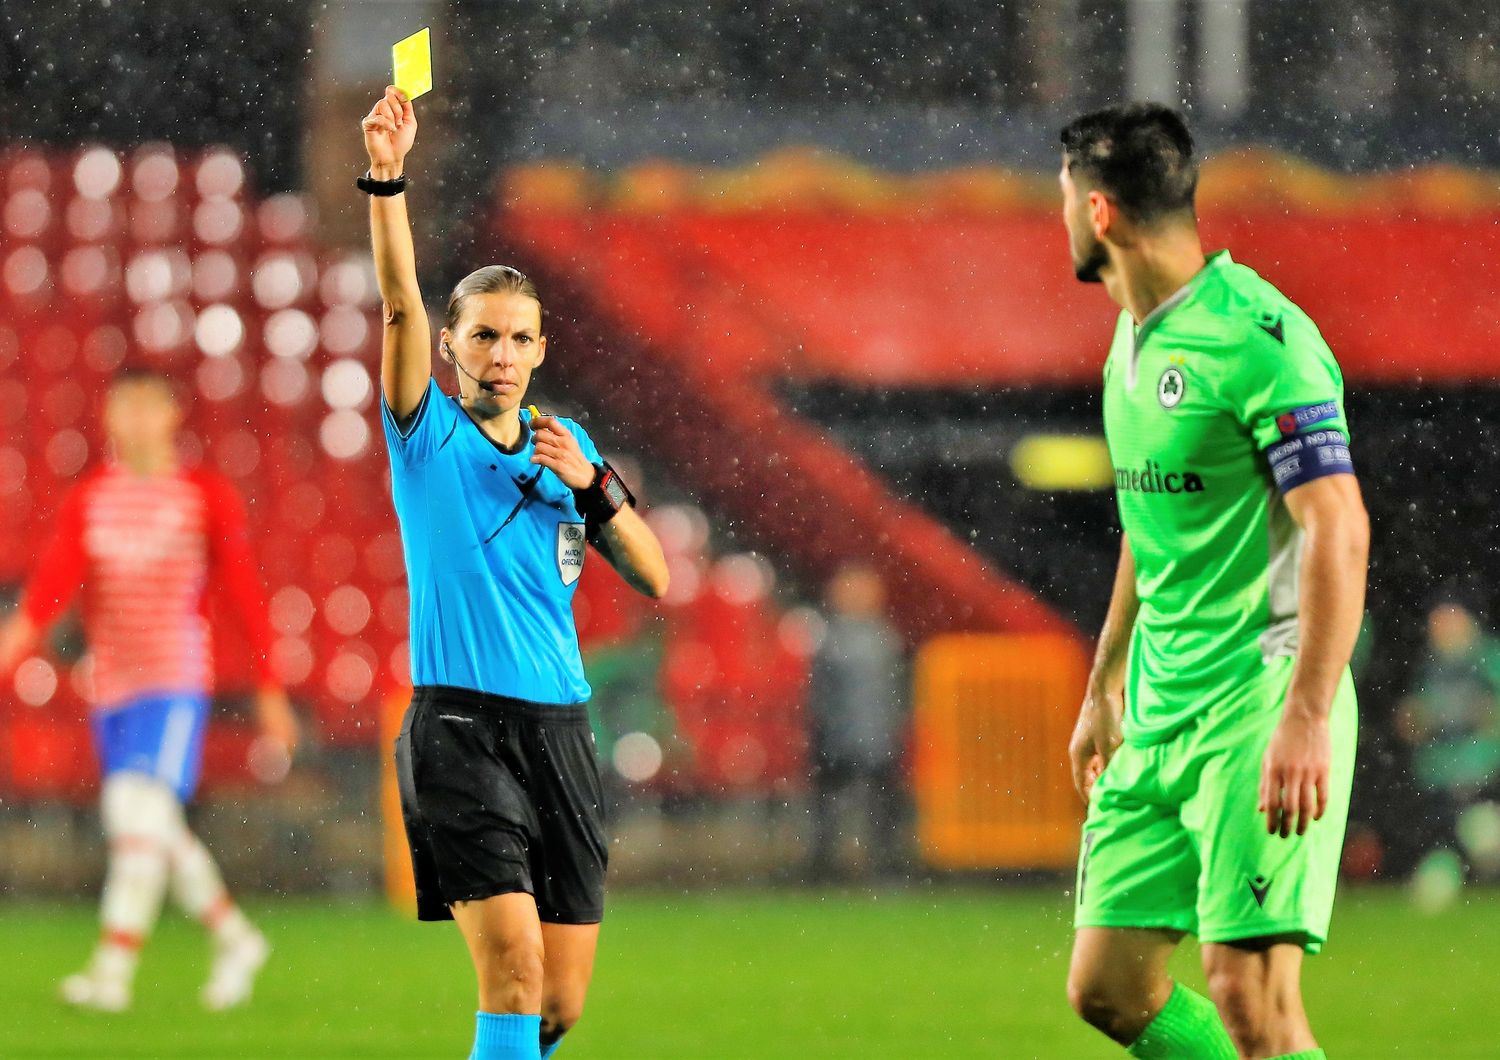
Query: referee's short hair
{"points": [[1138, 154], [492, 279]]}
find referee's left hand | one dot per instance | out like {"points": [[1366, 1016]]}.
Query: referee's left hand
{"points": [[1294, 772], [557, 451]]}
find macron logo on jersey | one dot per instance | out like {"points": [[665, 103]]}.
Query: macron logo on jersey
{"points": [[1152, 479]]}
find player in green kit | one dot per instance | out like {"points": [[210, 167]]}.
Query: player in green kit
{"points": [[1215, 744]]}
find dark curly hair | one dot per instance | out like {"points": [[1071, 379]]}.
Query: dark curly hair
{"points": [[1138, 154]]}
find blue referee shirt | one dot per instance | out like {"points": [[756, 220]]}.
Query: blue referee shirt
{"points": [[494, 547]]}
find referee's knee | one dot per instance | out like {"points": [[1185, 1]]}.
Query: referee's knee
{"points": [[510, 973], [560, 1012]]}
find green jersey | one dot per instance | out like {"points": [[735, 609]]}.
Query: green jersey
{"points": [[1219, 402]]}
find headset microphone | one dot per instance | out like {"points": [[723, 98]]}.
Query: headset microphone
{"points": [[487, 387]]}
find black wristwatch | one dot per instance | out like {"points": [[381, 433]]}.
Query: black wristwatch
{"points": [[601, 500], [384, 188]]}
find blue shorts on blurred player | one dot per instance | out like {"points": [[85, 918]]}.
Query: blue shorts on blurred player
{"points": [[159, 735]]}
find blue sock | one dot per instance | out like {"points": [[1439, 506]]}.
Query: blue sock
{"points": [[549, 1050], [506, 1037]]}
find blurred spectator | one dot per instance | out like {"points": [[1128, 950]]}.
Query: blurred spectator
{"points": [[1452, 723], [858, 716]]}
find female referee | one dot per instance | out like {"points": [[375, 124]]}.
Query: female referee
{"points": [[499, 785]]}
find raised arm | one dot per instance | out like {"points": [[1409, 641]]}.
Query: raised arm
{"points": [[1097, 733], [390, 129]]}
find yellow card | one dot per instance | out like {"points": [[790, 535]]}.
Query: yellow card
{"points": [[411, 62]]}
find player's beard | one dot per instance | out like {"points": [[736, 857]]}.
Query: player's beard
{"points": [[1090, 268]]}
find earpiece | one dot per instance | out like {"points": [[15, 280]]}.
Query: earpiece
{"points": [[487, 387]]}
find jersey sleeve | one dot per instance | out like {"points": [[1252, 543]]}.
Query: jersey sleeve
{"points": [[415, 439], [1289, 394], [233, 566], [61, 566], [585, 443]]}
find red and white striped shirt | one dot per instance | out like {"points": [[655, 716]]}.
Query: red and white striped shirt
{"points": [[143, 550]]}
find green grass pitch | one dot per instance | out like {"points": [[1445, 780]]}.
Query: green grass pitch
{"points": [[941, 973]]}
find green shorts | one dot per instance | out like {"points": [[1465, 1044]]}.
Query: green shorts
{"points": [[1173, 838]]}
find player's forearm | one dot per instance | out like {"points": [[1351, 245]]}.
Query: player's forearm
{"points": [[1331, 605], [1108, 672], [633, 550]]}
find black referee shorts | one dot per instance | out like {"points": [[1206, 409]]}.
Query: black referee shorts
{"points": [[501, 796]]}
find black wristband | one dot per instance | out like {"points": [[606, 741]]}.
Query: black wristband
{"points": [[602, 500], [384, 188]]}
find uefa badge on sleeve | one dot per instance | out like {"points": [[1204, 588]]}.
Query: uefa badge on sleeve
{"points": [[570, 539], [1170, 387]]}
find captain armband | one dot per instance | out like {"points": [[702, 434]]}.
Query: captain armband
{"points": [[1297, 460]]}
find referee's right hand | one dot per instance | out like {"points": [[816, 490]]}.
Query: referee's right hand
{"points": [[390, 131], [1095, 737]]}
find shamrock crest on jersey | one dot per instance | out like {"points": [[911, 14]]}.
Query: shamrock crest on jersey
{"points": [[1170, 387]]}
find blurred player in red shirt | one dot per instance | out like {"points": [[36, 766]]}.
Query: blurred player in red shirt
{"points": [[143, 537]]}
